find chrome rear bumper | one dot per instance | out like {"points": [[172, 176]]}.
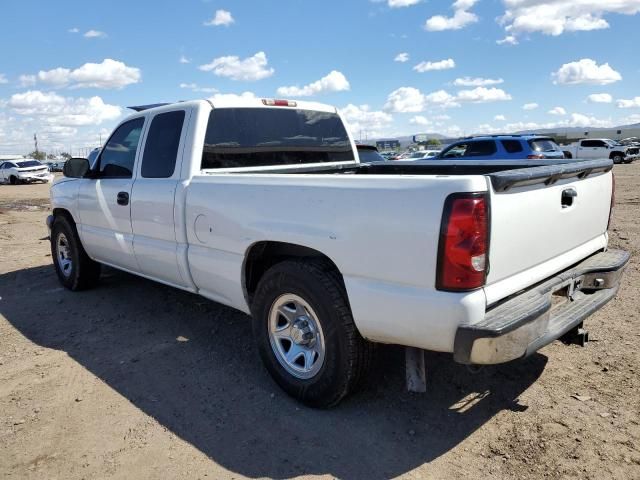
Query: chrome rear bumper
{"points": [[523, 324]]}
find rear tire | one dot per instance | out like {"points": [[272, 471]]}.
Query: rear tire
{"points": [[567, 155], [312, 293], [75, 270]]}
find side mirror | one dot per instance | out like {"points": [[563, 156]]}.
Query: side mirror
{"points": [[75, 168]]}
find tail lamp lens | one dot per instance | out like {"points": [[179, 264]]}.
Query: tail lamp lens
{"points": [[464, 243]]}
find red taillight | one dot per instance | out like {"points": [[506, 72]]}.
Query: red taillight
{"points": [[270, 102], [536, 157], [463, 253], [613, 198]]}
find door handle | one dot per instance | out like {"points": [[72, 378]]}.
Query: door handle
{"points": [[568, 197], [123, 198]]}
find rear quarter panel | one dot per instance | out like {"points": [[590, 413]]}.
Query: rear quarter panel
{"points": [[382, 233]]}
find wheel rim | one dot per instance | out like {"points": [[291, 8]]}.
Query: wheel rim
{"points": [[296, 336], [63, 253]]}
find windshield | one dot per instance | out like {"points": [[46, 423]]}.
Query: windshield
{"points": [[29, 163], [254, 137], [544, 145]]}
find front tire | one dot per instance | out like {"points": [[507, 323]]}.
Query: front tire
{"points": [[13, 180], [306, 335], [617, 159], [75, 270]]}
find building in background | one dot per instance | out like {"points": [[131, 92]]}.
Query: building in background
{"points": [[386, 145]]}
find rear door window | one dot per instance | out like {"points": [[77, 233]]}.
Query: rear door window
{"points": [[254, 137], [481, 148], [512, 146], [161, 146]]}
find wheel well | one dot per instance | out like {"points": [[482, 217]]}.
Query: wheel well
{"points": [[262, 256], [567, 154], [613, 154], [61, 212]]}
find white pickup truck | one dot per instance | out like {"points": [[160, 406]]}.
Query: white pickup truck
{"points": [[263, 205], [593, 148]]}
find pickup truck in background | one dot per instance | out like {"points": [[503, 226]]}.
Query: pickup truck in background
{"points": [[263, 205], [601, 148]]}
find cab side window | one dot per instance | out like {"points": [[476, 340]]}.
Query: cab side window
{"points": [[161, 146], [119, 154]]}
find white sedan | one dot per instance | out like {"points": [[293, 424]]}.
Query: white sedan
{"points": [[24, 171]]}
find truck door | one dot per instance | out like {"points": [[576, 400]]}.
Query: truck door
{"points": [[104, 201], [153, 197], [588, 149]]}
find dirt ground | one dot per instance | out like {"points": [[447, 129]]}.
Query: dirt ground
{"points": [[137, 380]]}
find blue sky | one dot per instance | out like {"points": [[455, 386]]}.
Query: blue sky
{"points": [[68, 68]]}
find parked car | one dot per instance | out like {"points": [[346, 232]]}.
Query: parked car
{"points": [[262, 205], [24, 171], [369, 153], [504, 147], [55, 166], [602, 148]]}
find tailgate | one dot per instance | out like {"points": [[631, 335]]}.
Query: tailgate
{"points": [[543, 220]]}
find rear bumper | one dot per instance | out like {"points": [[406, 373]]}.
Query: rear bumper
{"points": [[527, 322]]}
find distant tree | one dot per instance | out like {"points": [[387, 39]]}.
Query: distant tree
{"points": [[433, 142], [51, 156], [65, 155], [37, 155]]}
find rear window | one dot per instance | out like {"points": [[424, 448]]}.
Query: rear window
{"points": [[544, 145], [29, 163], [370, 155], [512, 146], [253, 137]]}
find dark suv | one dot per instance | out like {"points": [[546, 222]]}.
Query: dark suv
{"points": [[503, 147]]}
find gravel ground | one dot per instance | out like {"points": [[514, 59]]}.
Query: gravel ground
{"points": [[136, 380]]}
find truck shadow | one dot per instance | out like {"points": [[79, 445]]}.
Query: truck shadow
{"points": [[191, 365]]}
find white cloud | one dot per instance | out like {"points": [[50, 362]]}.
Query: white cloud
{"points": [[508, 40], [361, 118], [405, 100], [477, 82], [530, 106], [412, 100], [73, 30], [108, 74], [250, 69], [429, 66], [3, 79], [555, 17], [629, 103], [401, 3], [197, 88], [460, 19], [557, 111], [483, 95], [26, 80], [402, 57], [499, 118], [335, 81], [586, 71], [94, 34], [580, 120], [221, 18], [63, 111], [184, 59], [600, 98], [420, 120]]}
